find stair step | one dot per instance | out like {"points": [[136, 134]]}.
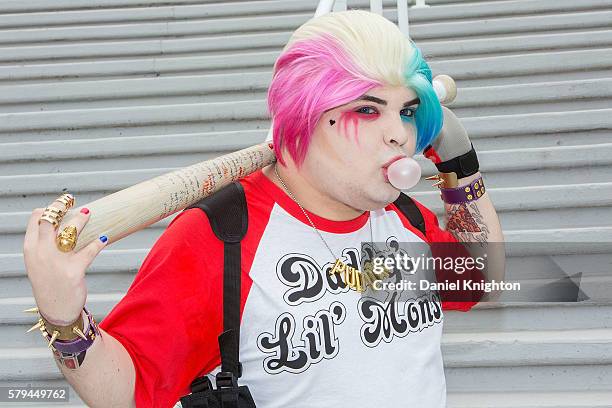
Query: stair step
{"points": [[123, 40], [559, 378], [527, 348], [473, 350], [252, 87], [541, 399], [541, 123], [474, 71], [491, 162], [589, 244], [13, 6], [40, 13]]}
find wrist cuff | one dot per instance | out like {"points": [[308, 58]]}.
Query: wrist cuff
{"points": [[464, 165], [79, 344], [65, 332], [463, 194]]}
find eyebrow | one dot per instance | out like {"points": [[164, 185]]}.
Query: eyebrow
{"points": [[376, 100], [383, 102]]}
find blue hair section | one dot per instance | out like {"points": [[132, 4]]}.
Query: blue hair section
{"points": [[428, 116]]}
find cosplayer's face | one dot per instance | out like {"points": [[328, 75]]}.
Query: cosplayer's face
{"points": [[353, 144]]}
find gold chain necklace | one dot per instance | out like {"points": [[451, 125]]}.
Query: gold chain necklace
{"points": [[352, 277]]}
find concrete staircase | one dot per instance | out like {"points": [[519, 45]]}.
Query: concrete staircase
{"points": [[97, 98]]}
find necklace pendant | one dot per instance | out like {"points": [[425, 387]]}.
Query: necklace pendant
{"points": [[351, 276], [370, 276]]}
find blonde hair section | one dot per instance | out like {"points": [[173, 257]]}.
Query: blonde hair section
{"points": [[375, 44]]}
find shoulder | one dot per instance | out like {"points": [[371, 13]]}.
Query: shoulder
{"points": [[432, 227], [187, 231], [186, 220]]}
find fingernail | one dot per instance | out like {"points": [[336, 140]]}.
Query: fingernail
{"points": [[103, 238], [85, 210]]}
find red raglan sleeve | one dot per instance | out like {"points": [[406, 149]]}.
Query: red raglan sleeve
{"points": [[462, 300], [170, 317]]}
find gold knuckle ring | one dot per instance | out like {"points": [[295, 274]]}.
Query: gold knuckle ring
{"points": [[54, 215], [54, 221], [59, 212], [66, 240], [66, 199], [51, 217]]}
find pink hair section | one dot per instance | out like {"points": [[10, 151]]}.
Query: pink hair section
{"points": [[310, 77]]}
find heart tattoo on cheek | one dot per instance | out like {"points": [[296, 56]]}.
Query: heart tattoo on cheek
{"points": [[332, 122]]}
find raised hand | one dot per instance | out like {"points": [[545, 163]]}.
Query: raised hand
{"points": [[58, 277]]}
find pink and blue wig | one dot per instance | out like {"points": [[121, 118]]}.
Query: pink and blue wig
{"points": [[334, 59]]}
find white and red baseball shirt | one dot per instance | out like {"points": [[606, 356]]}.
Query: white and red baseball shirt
{"points": [[304, 341]]}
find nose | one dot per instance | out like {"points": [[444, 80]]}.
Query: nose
{"points": [[398, 133]]}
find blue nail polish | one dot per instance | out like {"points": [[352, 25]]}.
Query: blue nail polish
{"points": [[103, 238]]}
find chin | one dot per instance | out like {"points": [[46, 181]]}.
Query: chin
{"points": [[394, 196], [383, 197]]}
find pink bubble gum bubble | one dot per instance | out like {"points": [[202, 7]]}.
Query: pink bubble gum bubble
{"points": [[404, 173]]}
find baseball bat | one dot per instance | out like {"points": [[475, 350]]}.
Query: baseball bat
{"points": [[122, 213]]}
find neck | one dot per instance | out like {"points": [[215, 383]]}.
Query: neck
{"points": [[308, 196]]}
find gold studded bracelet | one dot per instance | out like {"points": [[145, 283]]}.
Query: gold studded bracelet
{"points": [[71, 339], [65, 333]]}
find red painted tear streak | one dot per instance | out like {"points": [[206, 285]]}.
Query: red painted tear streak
{"points": [[352, 118]]}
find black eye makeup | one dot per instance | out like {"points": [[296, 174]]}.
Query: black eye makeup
{"points": [[371, 113], [408, 113]]}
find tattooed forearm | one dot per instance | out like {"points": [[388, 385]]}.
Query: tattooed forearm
{"points": [[466, 223], [477, 226]]}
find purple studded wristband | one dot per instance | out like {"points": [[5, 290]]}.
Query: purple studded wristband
{"points": [[90, 330], [463, 194]]}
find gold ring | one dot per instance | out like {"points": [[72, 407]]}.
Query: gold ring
{"points": [[49, 218], [57, 212], [66, 199], [66, 240], [52, 215]]}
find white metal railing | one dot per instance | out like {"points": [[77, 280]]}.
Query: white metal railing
{"points": [[376, 6]]}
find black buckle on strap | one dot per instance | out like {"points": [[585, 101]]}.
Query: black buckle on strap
{"points": [[201, 384], [226, 379]]}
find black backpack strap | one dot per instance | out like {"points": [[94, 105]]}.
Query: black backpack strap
{"points": [[227, 213], [407, 206]]}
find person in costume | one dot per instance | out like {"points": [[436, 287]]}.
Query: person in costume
{"points": [[349, 97]]}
